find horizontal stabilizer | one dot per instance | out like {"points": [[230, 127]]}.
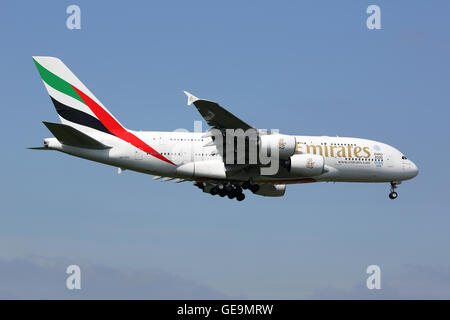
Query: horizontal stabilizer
{"points": [[70, 136], [38, 148]]}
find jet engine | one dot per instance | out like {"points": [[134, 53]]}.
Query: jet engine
{"points": [[304, 165], [271, 190], [285, 144]]}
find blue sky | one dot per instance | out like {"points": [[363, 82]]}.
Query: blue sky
{"points": [[304, 67]]}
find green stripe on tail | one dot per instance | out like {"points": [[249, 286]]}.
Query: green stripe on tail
{"points": [[56, 82]]}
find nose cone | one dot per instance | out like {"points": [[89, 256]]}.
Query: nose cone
{"points": [[413, 170]]}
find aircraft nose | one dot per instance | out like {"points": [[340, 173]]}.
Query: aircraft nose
{"points": [[413, 169]]}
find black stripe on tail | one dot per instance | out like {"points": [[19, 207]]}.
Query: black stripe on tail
{"points": [[78, 117]]}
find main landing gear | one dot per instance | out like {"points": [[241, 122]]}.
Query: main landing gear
{"points": [[231, 190], [251, 186], [393, 195]]}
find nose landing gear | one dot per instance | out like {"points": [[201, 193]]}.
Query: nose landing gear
{"points": [[393, 195]]}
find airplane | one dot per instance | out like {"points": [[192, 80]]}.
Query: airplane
{"points": [[88, 130]]}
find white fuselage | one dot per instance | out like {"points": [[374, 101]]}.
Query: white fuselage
{"points": [[345, 159]]}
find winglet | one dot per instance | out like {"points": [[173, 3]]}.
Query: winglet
{"points": [[191, 98]]}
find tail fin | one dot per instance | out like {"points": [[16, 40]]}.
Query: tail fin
{"points": [[75, 104]]}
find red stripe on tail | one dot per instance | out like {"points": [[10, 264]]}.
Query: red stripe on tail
{"points": [[115, 128]]}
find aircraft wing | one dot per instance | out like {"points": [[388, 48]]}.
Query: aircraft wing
{"points": [[215, 115]]}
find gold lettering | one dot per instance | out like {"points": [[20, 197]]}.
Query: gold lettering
{"points": [[325, 148], [349, 147], [357, 150], [366, 150], [341, 153], [332, 151], [308, 149], [300, 147]]}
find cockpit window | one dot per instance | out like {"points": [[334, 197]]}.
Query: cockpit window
{"points": [[404, 158]]}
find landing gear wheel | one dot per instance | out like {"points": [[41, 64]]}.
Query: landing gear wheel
{"points": [[200, 185], [254, 188], [393, 195], [231, 194], [214, 190], [222, 192], [240, 196], [246, 185]]}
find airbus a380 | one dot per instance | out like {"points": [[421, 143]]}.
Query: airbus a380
{"points": [[88, 130]]}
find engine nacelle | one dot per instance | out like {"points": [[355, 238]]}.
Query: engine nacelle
{"points": [[271, 190], [203, 169], [285, 144], [305, 165]]}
